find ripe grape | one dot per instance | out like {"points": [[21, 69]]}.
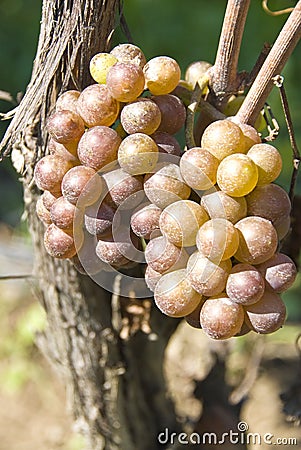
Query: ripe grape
{"points": [[99, 219], [123, 190], [173, 113], [62, 214], [42, 212], [58, 243], [151, 278], [267, 315], [245, 284], [138, 154], [48, 199], [166, 143], [174, 295], [223, 138], [206, 277], [129, 53], [221, 318], [217, 239], [100, 65], [67, 151], [98, 147], [119, 249], [194, 72], [180, 222], [218, 204], [65, 126], [268, 161], [279, 272], [96, 106], [282, 226], [125, 81], [198, 168], [145, 221], [82, 183], [257, 240], [193, 319], [162, 256], [251, 136], [49, 172], [269, 201], [166, 186], [67, 100], [162, 75], [140, 116], [237, 175]]}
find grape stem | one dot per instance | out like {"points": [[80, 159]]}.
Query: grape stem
{"points": [[273, 65], [224, 78]]}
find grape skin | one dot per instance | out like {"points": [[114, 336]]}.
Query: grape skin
{"points": [[145, 221], [99, 219], [267, 315], [122, 189], [129, 53], [173, 113], [49, 172], [100, 65], [96, 106], [67, 100], [279, 272], [223, 138], [48, 199], [125, 81], [58, 243], [218, 204], [162, 256], [194, 72], [166, 143], [198, 168], [245, 284], [62, 214], [42, 212], [268, 161], [269, 201], [140, 116], [237, 175], [162, 75], [65, 126], [81, 184], [151, 278], [138, 154], [193, 319]]}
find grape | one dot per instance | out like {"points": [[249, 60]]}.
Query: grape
{"points": [[162, 256], [198, 168], [99, 219], [251, 136], [217, 239], [138, 154], [162, 74], [81, 182], [267, 315], [145, 222], [67, 151], [65, 126], [257, 240], [206, 277], [269, 201], [174, 295], [193, 319], [173, 113], [151, 278], [245, 284], [218, 204], [100, 65], [118, 250], [98, 147], [129, 53], [221, 318], [279, 272], [195, 71], [282, 226], [96, 106], [49, 172], [237, 175], [62, 214], [67, 100], [245, 329], [166, 186], [123, 189], [166, 143], [42, 212], [58, 243], [140, 116], [48, 199], [223, 138], [125, 81], [180, 222], [268, 161]]}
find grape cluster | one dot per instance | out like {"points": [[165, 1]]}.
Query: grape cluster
{"points": [[207, 220]]}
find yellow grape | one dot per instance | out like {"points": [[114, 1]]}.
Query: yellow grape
{"points": [[223, 138], [268, 161], [162, 74], [138, 154], [237, 175], [100, 65], [198, 168], [218, 204]]}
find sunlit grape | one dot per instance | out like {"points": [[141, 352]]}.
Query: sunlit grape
{"points": [[223, 138], [245, 284], [217, 239], [162, 74], [237, 175], [268, 161], [96, 106], [218, 204], [138, 154], [100, 65], [198, 168], [125, 81], [140, 116]]}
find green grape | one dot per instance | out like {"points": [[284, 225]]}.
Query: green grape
{"points": [[237, 175], [269, 201], [174, 295], [195, 71], [258, 240], [129, 53], [223, 138], [198, 168], [268, 161], [162, 75], [217, 239], [125, 81], [218, 204], [245, 284], [100, 65], [138, 154], [96, 106], [267, 315], [206, 277], [221, 318], [180, 222], [140, 116], [279, 272], [233, 105]]}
